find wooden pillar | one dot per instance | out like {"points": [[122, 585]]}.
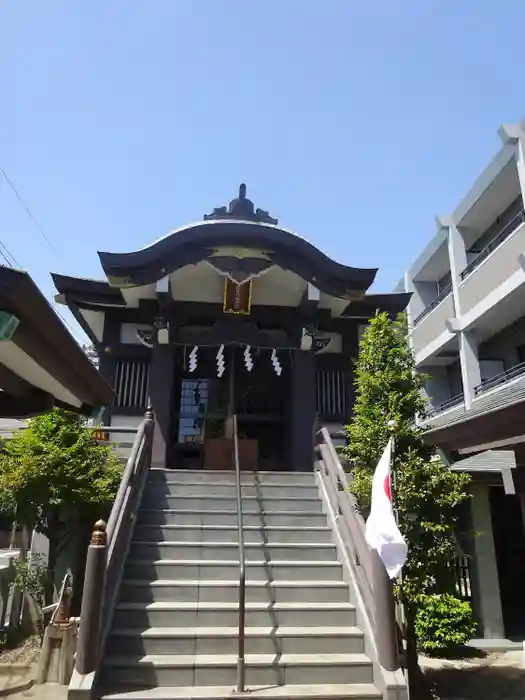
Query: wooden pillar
{"points": [[303, 410], [350, 354], [161, 382], [107, 362]]}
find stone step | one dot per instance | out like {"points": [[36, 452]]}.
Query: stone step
{"points": [[229, 517], [141, 590], [229, 551], [220, 570], [230, 533], [217, 489], [261, 669], [250, 505], [330, 691], [228, 477], [223, 640], [164, 614]]}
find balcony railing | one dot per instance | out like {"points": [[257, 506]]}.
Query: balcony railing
{"points": [[501, 378], [435, 302], [449, 403], [498, 239]]}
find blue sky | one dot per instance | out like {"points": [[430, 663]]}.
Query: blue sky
{"points": [[354, 123]]}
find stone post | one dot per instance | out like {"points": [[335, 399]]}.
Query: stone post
{"points": [[384, 615], [88, 649]]}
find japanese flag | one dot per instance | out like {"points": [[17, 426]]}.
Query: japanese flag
{"points": [[382, 533]]}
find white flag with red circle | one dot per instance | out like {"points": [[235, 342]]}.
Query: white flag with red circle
{"points": [[382, 532]]}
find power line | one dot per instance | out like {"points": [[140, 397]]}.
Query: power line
{"points": [[30, 214], [66, 322], [9, 262], [43, 234], [6, 254]]}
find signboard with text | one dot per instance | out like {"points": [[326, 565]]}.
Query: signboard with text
{"points": [[237, 297]]}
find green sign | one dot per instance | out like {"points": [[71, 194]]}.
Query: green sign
{"points": [[8, 325]]}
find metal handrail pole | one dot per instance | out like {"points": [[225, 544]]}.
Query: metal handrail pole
{"points": [[241, 664], [507, 230]]}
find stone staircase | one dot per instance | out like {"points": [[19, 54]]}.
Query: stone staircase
{"points": [[174, 631]]}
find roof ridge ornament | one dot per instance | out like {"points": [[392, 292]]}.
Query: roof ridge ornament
{"points": [[241, 208]]}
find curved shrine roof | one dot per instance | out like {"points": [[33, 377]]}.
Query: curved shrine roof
{"points": [[240, 226], [240, 242]]}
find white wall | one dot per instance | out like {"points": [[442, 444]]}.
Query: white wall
{"points": [[423, 293], [504, 345], [455, 380], [436, 386], [125, 440]]}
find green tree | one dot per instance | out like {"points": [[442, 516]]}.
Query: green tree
{"points": [[54, 477], [427, 493]]}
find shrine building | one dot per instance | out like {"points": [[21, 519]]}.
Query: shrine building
{"points": [[230, 315]]}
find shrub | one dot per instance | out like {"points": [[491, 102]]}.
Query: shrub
{"points": [[30, 579], [54, 477], [443, 622]]}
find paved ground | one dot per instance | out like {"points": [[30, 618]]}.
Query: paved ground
{"points": [[499, 676], [20, 687]]}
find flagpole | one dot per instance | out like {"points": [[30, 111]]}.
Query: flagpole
{"points": [[384, 613], [399, 608], [392, 427]]}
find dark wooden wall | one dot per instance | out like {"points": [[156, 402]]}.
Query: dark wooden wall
{"points": [[321, 387]]}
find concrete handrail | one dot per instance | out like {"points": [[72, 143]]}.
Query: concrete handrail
{"points": [[375, 588], [107, 553], [132, 465]]}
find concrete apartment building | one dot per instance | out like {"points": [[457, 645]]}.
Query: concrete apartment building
{"points": [[467, 330]]}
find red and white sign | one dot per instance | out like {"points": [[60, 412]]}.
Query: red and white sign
{"points": [[382, 532]]}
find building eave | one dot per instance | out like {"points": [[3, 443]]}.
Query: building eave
{"points": [[197, 242], [473, 428], [42, 337], [486, 462], [366, 307], [78, 290]]}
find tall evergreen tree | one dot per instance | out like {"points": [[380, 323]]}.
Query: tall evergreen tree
{"points": [[427, 493]]}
